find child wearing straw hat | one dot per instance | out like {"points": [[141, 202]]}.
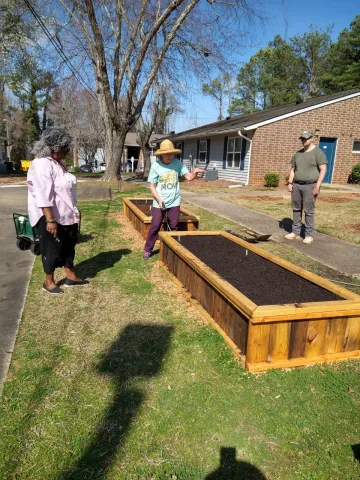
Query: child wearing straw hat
{"points": [[164, 185]]}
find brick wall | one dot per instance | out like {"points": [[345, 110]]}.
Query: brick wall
{"points": [[275, 144]]}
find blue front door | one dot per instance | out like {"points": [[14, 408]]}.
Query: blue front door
{"points": [[328, 146]]}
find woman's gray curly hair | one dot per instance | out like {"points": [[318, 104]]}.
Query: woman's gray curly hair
{"points": [[52, 140]]}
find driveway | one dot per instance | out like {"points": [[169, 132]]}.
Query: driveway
{"points": [[15, 268]]}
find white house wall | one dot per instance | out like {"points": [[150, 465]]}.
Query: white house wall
{"points": [[216, 158]]}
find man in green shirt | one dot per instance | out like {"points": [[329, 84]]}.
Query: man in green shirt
{"points": [[308, 169]]}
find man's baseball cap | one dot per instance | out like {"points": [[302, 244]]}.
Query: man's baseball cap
{"points": [[307, 134]]}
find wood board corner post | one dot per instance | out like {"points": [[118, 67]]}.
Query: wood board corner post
{"points": [[268, 336], [137, 211]]}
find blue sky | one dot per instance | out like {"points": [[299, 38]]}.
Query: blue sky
{"points": [[287, 18]]}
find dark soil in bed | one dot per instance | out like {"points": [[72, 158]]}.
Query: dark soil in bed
{"points": [[262, 281], [146, 206]]}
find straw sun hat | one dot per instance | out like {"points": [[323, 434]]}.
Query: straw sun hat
{"points": [[166, 147]]}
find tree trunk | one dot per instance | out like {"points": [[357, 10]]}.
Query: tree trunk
{"points": [[75, 153], [114, 146], [147, 161]]}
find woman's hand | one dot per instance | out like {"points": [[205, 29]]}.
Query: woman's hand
{"points": [[290, 187], [52, 228], [198, 170]]}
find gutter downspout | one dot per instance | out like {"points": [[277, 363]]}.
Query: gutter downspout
{"points": [[248, 139]]}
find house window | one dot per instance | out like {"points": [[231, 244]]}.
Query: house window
{"points": [[233, 153], [356, 146], [202, 151]]}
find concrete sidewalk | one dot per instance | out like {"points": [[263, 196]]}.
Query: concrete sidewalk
{"points": [[15, 267], [337, 254]]}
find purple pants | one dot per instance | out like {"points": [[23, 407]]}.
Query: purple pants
{"points": [[158, 216]]}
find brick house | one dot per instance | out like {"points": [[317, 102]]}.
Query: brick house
{"points": [[246, 147]]}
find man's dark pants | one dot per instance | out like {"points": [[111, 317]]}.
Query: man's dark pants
{"points": [[156, 222], [303, 199]]}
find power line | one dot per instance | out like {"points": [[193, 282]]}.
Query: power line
{"points": [[59, 50]]}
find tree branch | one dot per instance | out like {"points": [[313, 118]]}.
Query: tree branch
{"points": [[166, 46]]}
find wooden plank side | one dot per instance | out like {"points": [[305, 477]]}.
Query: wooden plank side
{"points": [[279, 341], [302, 361], [257, 348], [238, 327], [335, 335], [313, 310], [316, 338], [298, 333], [352, 334]]}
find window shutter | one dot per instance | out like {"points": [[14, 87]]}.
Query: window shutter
{"points": [[243, 154], [225, 151], [207, 151], [198, 151]]}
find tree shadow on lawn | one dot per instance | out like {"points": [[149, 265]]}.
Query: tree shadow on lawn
{"points": [[92, 266], [356, 451], [287, 223], [137, 353], [232, 469]]}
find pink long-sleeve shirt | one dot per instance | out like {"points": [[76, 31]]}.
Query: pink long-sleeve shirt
{"points": [[49, 185]]}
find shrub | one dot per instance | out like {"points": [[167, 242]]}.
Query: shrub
{"points": [[354, 176], [272, 180]]}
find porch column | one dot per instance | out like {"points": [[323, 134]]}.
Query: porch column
{"points": [[125, 158], [141, 159]]}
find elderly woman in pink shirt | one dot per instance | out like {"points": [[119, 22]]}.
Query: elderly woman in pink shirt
{"points": [[52, 207]]}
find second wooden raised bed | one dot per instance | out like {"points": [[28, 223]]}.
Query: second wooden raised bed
{"points": [[138, 211], [288, 317]]}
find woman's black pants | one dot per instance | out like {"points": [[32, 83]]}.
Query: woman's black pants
{"points": [[57, 251]]}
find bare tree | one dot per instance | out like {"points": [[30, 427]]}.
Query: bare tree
{"points": [[118, 35], [75, 110]]}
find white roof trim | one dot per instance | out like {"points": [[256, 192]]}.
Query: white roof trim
{"points": [[297, 112]]}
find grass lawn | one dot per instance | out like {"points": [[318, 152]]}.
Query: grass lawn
{"points": [[124, 380], [337, 215]]}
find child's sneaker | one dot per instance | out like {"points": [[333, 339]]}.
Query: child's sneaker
{"points": [[146, 255]]}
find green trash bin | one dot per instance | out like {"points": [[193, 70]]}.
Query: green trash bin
{"points": [[26, 236]]}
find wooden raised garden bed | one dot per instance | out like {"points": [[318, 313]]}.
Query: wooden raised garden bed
{"points": [[138, 211], [273, 313]]}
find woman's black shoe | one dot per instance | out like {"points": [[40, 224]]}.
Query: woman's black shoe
{"points": [[53, 291], [74, 283]]}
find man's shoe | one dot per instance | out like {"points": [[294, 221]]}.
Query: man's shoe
{"points": [[291, 236], [146, 255], [53, 291], [308, 240]]}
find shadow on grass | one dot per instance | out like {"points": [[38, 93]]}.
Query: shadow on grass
{"points": [[356, 451], [137, 353], [287, 223], [92, 266], [84, 238], [232, 469]]}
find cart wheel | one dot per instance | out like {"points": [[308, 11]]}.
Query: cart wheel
{"points": [[35, 248], [23, 244]]}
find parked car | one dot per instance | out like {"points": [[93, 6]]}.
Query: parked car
{"points": [[86, 169], [102, 167]]}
